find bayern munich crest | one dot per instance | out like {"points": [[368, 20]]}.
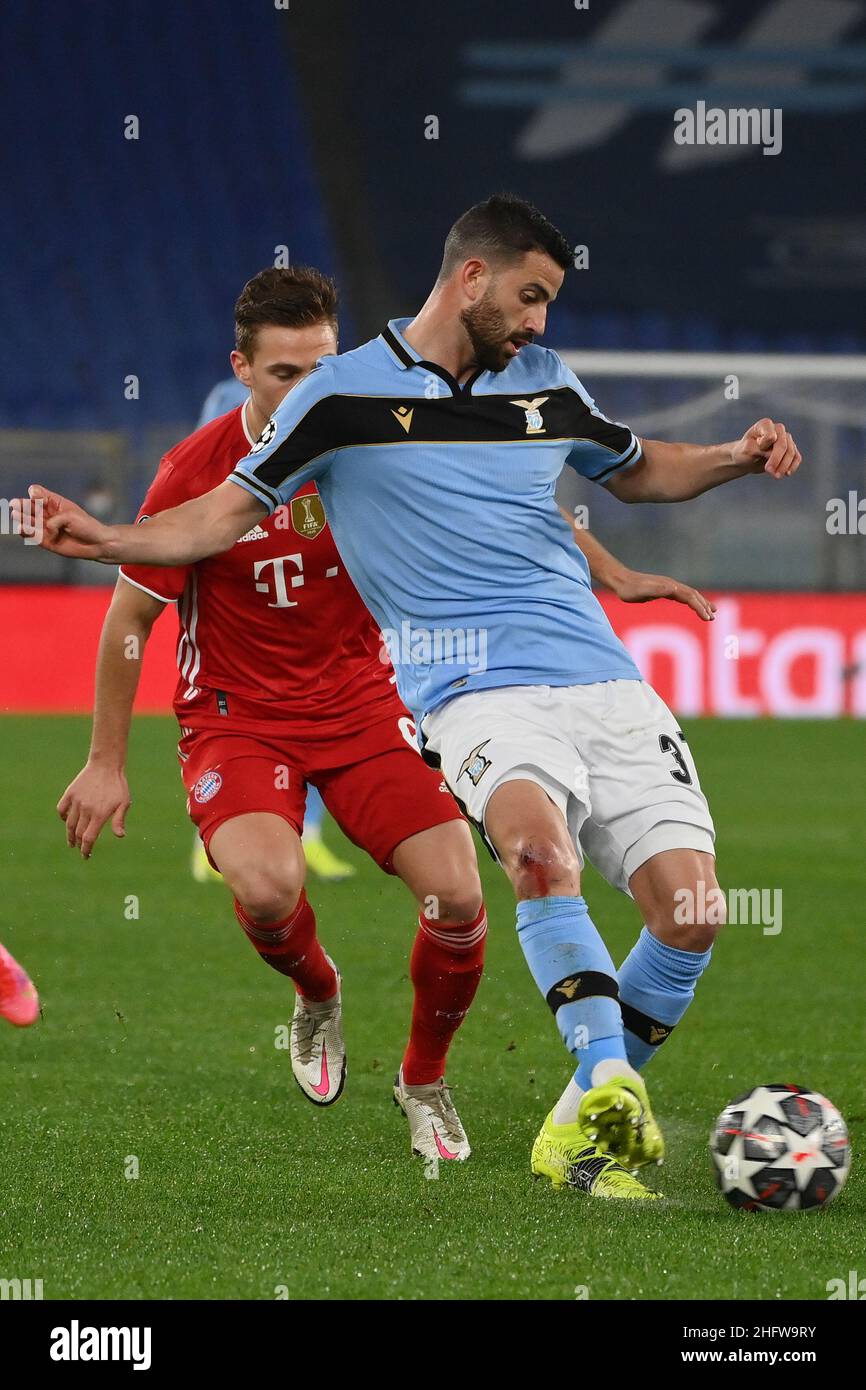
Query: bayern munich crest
{"points": [[207, 787]]}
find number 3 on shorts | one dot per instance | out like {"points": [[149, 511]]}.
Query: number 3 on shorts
{"points": [[680, 773]]}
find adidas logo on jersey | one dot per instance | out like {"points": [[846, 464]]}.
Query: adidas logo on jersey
{"points": [[257, 534]]}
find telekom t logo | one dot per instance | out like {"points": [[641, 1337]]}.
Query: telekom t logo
{"points": [[278, 582]]}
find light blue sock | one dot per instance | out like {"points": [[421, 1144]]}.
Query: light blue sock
{"points": [[656, 986], [572, 967]]}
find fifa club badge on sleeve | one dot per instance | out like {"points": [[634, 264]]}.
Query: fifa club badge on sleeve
{"points": [[308, 515]]}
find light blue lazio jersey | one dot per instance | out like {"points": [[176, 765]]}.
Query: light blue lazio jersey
{"points": [[222, 398], [440, 498]]}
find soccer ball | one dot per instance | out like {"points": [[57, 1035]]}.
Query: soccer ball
{"points": [[780, 1148]]}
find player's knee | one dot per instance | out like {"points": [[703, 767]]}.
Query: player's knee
{"points": [[456, 897], [714, 918], [697, 936], [693, 917], [539, 865], [267, 894]]}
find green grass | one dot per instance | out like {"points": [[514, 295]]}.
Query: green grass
{"points": [[158, 1041]]}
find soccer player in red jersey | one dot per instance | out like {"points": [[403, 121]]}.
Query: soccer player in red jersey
{"points": [[283, 681]]}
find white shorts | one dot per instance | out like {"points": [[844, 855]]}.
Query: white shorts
{"points": [[611, 756]]}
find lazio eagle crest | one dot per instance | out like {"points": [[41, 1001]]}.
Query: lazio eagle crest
{"points": [[475, 764], [534, 422]]}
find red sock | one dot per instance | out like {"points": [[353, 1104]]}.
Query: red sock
{"points": [[446, 967], [292, 948]]}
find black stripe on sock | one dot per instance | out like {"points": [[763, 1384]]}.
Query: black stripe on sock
{"points": [[574, 987], [649, 1030]]}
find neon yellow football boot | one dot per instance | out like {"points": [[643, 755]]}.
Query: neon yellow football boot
{"points": [[324, 863], [618, 1118], [568, 1157], [201, 868]]}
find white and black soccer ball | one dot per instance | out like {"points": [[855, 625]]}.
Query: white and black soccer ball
{"points": [[780, 1148]]}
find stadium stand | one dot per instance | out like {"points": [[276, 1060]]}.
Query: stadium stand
{"points": [[150, 239]]}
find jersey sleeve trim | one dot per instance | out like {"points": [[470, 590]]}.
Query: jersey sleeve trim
{"points": [[144, 589], [596, 434], [262, 493], [290, 441], [631, 455]]}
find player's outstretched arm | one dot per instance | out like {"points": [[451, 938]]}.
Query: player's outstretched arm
{"points": [[675, 472], [633, 586], [182, 535], [100, 792]]}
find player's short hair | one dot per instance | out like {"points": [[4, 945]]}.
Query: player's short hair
{"points": [[502, 229], [294, 296]]}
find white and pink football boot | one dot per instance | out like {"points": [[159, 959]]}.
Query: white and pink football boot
{"points": [[317, 1048], [19, 1001], [435, 1128]]}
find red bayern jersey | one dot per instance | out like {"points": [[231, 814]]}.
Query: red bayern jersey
{"points": [[274, 628]]}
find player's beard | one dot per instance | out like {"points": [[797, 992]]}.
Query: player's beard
{"points": [[488, 333]]}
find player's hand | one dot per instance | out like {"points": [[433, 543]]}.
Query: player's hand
{"points": [[767, 448], [97, 795], [59, 525], [634, 587]]}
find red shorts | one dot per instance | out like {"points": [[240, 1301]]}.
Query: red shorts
{"points": [[373, 781]]}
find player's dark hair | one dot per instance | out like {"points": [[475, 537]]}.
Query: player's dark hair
{"points": [[501, 229], [294, 296]]}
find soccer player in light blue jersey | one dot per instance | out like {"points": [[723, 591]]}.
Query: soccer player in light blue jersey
{"points": [[436, 448]]}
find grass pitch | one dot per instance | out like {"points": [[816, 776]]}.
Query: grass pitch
{"points": [[156, 1054]]}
